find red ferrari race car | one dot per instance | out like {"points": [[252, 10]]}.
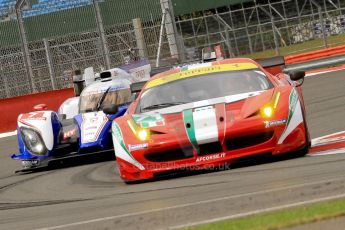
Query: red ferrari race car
{"points": [[207, 115]]}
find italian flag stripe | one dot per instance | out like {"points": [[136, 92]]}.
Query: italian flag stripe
{"points": [[205, 125], [190, 130], [118, 135], [292, 104], [295, 116]]}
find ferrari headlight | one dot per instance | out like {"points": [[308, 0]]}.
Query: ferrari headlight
{"points": [[33, 141], [141, 133], [267, 111]]}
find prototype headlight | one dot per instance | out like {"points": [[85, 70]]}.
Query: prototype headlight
{"points": [[33, 141]]}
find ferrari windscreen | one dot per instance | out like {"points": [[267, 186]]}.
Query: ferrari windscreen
{"points": [[203, 87], [96, 101]]}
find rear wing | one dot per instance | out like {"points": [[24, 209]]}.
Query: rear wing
{"points": [[158, 70], [273, 65], [137, 87], [272, 62]]}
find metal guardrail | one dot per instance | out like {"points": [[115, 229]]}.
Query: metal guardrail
{"points": [[316, 54], [316, 64]]}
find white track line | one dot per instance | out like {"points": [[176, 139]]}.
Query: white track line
{"points": [[259, 211], [323, 72], [9, 134], [329, 135], [319, 73], [328, 152], [190, 204]]}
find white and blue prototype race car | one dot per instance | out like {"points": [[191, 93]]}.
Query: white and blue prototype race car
{"points": [[79, 127]]}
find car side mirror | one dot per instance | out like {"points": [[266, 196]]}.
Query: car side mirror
{"points": [[297, 76], [111, 109], [62, 117]]}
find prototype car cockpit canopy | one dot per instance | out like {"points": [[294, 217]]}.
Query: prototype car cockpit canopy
{"points": [[104, 92]]}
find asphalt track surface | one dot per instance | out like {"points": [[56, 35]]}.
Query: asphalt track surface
{"points": [[90, 195]]}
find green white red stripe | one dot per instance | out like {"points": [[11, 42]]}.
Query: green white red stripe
{"points": [[190, 129], [201, 125], [205, 123], [295, 116], [121, 150]]}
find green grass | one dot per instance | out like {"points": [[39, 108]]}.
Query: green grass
{"points": [[301, 48], [281, 219]]}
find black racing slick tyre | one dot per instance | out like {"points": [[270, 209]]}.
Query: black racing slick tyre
{"points": [[305, 149]]}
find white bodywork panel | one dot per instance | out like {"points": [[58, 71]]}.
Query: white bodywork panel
{"points": [[89, 76], [116, 72], [141, 73], [70, 107], [92, 126], [205, 125], [138, 71]]}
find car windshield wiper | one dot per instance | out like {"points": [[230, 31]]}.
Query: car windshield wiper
{"points": [[101, 100], [163, 105]]}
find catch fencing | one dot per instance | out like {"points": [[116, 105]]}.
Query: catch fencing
{"points": [[249, 28], [39, 48]]}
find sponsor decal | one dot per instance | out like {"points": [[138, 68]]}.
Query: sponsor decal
{"points": [[30, 164], [138, 147], [211, 157], [203, 109], [34, 116], [148, 121], [191, 72], [269, 124], [69, 134]]}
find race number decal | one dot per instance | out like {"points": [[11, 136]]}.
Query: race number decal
{"points": [[33, 116]]}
